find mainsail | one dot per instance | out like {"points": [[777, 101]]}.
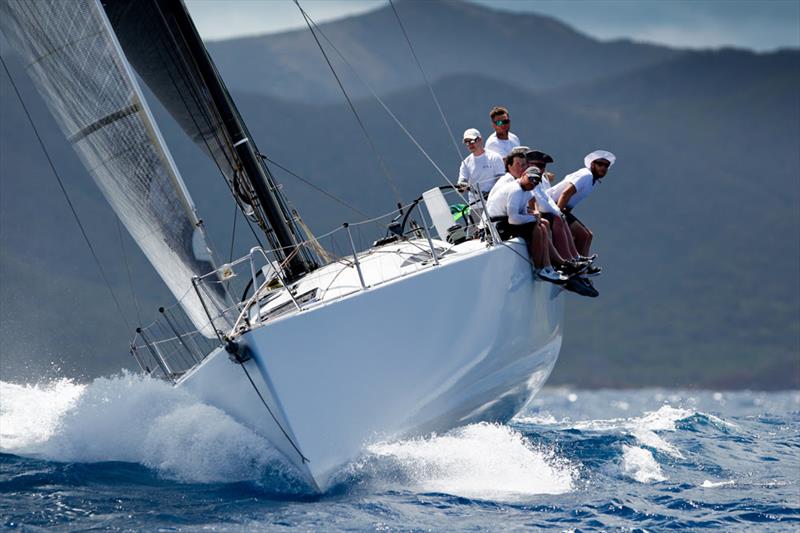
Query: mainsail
{"points": [[77, 65]]}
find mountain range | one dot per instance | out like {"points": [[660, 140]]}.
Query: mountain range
{"points": [[697, 225]]}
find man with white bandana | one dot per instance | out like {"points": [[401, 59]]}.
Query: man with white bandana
{"points": [[574, 188]]}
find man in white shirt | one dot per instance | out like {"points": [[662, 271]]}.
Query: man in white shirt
{"points": [[574, 188], [508, 207], [515, 164], [562, 237], [502, 140], [479, 171]]}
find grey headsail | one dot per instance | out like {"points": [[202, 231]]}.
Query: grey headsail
{"points": [[77, 65], [174, 63]]}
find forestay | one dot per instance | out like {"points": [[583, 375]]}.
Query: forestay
{"points": [[78, 67]]}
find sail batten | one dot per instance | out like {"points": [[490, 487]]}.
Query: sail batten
{"points": [[105, 121], [78, 67]]}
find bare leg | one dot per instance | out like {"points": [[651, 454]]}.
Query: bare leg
{"points": [[538, 250], [573, 251], [552, 252], [562, 238], [537, 264], [555, 257], [583, 237], [542, 242], [533, 250]]}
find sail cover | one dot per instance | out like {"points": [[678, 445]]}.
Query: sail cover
{"points": [[78, 67]]}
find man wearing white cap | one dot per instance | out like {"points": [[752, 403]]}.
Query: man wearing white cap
{"points": [[508, 207], [574, 188], [479, 170]]}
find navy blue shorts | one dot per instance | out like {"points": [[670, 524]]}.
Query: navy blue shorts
{"points": [[572, 218], [509, 231]]}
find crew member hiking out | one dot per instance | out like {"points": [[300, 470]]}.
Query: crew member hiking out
{"points": [[507, 206], [562, 237], [573, 189]]}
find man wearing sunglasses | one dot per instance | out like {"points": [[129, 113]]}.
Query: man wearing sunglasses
{"points": [[517, 162], [573, 189], [502, 141], [479, 171]]}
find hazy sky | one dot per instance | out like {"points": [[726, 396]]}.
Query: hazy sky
{"points": [[757, 24]]}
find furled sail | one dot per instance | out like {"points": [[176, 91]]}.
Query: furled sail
{"points": [[78, 67]]}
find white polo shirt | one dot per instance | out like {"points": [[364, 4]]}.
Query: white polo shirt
{"points": [[583, 182], [505, 178], [543, 200], [502, 147], [509, 200], [481, 171]]}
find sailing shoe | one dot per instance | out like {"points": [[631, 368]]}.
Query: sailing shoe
{"points": [[590, 259], [571, 268], [551, 275], [592, 271], [581, 286]]}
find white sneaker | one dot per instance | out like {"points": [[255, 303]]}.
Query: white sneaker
{"points": [[548, 274]]}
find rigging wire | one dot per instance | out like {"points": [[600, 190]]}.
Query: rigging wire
{"points": [[233, 232], [211, 122], [128, 269], [225, 143], [277, 422], [315, 187], [427, 82], [386, 108], [66, 196], [350, 103]]}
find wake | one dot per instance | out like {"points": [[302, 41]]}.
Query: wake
{"points": [[136, 419]]}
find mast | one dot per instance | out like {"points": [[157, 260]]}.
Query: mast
{"points": [[256, 172]]}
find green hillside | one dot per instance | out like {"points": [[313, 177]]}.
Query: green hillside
{"points": [[698, 223]]}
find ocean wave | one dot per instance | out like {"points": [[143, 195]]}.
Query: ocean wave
{"points": [[640, 465], [738, 473], [136, 419], [478, 461]]}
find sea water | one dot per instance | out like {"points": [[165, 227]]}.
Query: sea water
{"points": [[132, 453]]}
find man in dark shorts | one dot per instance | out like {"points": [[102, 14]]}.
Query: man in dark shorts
{"points": [[562, 237], [508, 207], [573, 189]]}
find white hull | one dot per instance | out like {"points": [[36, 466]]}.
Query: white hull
{"points": [[472, 339]]}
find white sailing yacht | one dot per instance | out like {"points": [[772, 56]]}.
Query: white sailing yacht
{"points": [[319, 354]]}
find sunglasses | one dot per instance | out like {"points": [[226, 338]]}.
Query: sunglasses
{"points": [[602, 163], [470, 141], [505, 122]]}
